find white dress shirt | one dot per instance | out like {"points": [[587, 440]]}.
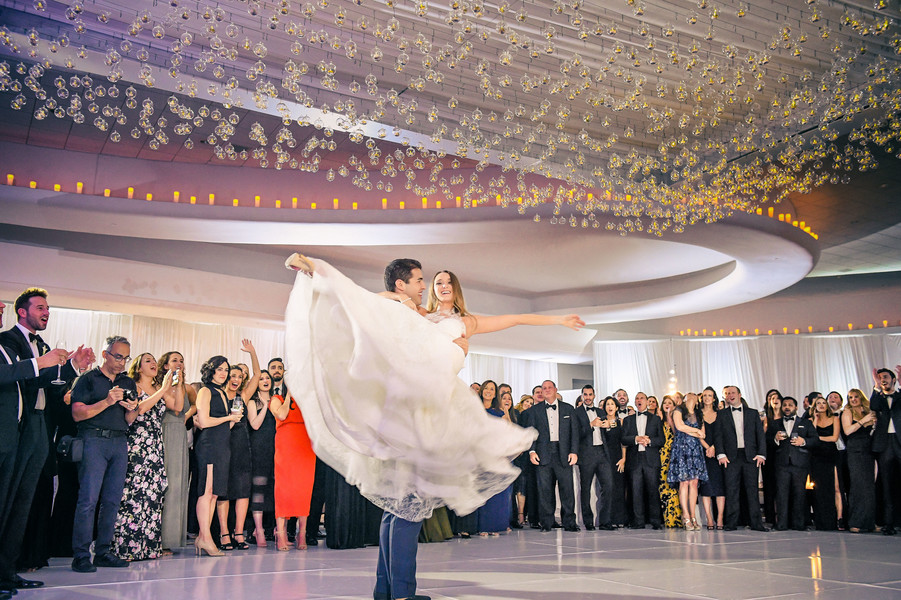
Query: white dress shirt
{"points": [[597, 437], [553, 421], [641, 424], [41, 401]]}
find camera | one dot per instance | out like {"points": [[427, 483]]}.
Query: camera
{"points": [[129, 395]]}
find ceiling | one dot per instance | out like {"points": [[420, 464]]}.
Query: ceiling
{"points": [[523, 235]]}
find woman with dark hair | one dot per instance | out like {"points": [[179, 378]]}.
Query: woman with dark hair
{"points": [[669, 496], [295, 467], [715, 486], [654, 406], [240, 462], [616, 454], [772, 411], [823, 467], [262, 454], [494, 516], [140, 517], [487, 394], [857, 423], [687, 464], [175, 442], [212, 446]]}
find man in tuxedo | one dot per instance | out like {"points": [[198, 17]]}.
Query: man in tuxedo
{"points": [[23, 343], [622, 401], [792, 436], [643, 437], [276, 368], [741, 449], [593, 461], [554, 452], [885, 401], [531, 476]]}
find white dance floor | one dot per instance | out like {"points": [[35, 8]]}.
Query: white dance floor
{"points": [[526, 565]]}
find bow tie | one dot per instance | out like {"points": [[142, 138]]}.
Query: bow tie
{"points": [[33, 337], [552, 406], [736, 410], [641, 413], [789, 418]]}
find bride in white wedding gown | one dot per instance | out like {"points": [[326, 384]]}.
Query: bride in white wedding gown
{"points": [[378, 387]]}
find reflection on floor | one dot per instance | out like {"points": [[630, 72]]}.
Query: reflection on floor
{"points": [[526, 565]]}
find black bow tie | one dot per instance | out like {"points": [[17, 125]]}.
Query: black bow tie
{"points": [[552, 406], [736, 410], [33, 337], [789, 418], [641, 413]]}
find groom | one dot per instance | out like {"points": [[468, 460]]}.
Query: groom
{"points": [[395, 576]]}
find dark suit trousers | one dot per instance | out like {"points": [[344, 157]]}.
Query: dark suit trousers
{"points": [[889, 461], [742, 472], [593, 463], [29, 462], [561, 474], [101, 476], [644, 477], [395, 575], [791, 496]]}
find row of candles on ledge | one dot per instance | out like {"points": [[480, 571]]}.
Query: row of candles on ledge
{"points": [[785, 331], [176, 197]]}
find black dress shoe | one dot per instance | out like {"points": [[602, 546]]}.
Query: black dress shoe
{"points": [[572, 528], [729, 528], [589, 528], [83, 565], [546, 529], [534, 525], [635, 526], [760, 528], [5, 596], [109, 560], [656, 526], [8, 587], [606, 527], [558, 526], [516, 525], [311, 541], [27, 584], [888, 531]]}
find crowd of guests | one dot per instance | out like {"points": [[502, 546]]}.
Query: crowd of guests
{"points": [[150, 457]]}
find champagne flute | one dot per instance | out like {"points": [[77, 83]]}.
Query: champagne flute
{"points": [[60, 345]]}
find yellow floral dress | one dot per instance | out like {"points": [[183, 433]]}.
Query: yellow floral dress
{"points": [[669, 496]]}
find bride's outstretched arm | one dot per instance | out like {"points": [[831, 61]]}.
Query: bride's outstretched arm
{"points": [[476, 324]]}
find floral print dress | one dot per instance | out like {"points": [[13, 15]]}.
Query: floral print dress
{"points": [[139, 524], [669, 496]]}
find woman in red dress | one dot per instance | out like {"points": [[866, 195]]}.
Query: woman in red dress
{"points": [[295, 465]]}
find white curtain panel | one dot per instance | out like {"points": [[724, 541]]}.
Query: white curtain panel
{"points": [[795, 365], [196, 341], [521, 374]]}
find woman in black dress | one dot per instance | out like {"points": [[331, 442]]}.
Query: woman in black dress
{"points": [[212, 448], [823, 467], [240, 464], [715, 486], [616, 454], [262, 454], [772, 412], [857, 424]]}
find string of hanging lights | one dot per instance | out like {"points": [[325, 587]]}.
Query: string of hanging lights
{"points": [[640, 115]]}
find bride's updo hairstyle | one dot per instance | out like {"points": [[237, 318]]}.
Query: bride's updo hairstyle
{"points": [[459, 302]]}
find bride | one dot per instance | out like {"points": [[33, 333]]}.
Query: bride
{"points": [[378, 388]]}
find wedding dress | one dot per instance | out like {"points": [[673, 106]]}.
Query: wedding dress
{"points": [[378, 387]]}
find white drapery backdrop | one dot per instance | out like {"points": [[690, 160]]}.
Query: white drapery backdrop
{"points": [[200, 341], [795, 365]]}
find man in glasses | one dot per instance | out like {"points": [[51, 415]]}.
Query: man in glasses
{"points": [[25, 432], [104, 404]]}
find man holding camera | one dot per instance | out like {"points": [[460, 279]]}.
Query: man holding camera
{"points": [[104, 404]]}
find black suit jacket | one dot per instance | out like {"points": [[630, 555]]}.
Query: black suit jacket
{"points": [[879, 405], [586, 433], [726, 441], [653, 429], [785, 453], [568, 435], [11, 374], [15, 343]]}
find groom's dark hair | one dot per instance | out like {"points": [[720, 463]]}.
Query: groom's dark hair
{"points": [[400, 268]]}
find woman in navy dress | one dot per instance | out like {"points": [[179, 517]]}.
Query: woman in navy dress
{"points": [[715, 486], [687, 465], [494, 516], [857, 423]]}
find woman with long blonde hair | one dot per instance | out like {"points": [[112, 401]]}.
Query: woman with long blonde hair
{"points": [[857, 423]]}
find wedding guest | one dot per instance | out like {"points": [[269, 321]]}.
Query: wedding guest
{"points": [[857, 423], [714, 487], [884, 401], [178, 400], [836, 403], [212, 448], [616, 455], [262, 454], [793, 437], [295, 464], [594, 464], [669, 496], [654, 406], [520, 486], [824, 467], [772, 412], [138, 534], [494, 516], [643, 438], [103, 413], [687, 465]]}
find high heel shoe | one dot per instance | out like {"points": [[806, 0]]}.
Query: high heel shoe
{"points": [[208, 547], [227, 546], [242, 545], [260, 538], [281, 541]]}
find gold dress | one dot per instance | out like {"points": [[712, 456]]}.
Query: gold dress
{"points": [[669, 496]]}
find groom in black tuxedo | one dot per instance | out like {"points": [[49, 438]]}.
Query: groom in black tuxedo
{"points": [[23, 343], [554, 452], [741, 449]]}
